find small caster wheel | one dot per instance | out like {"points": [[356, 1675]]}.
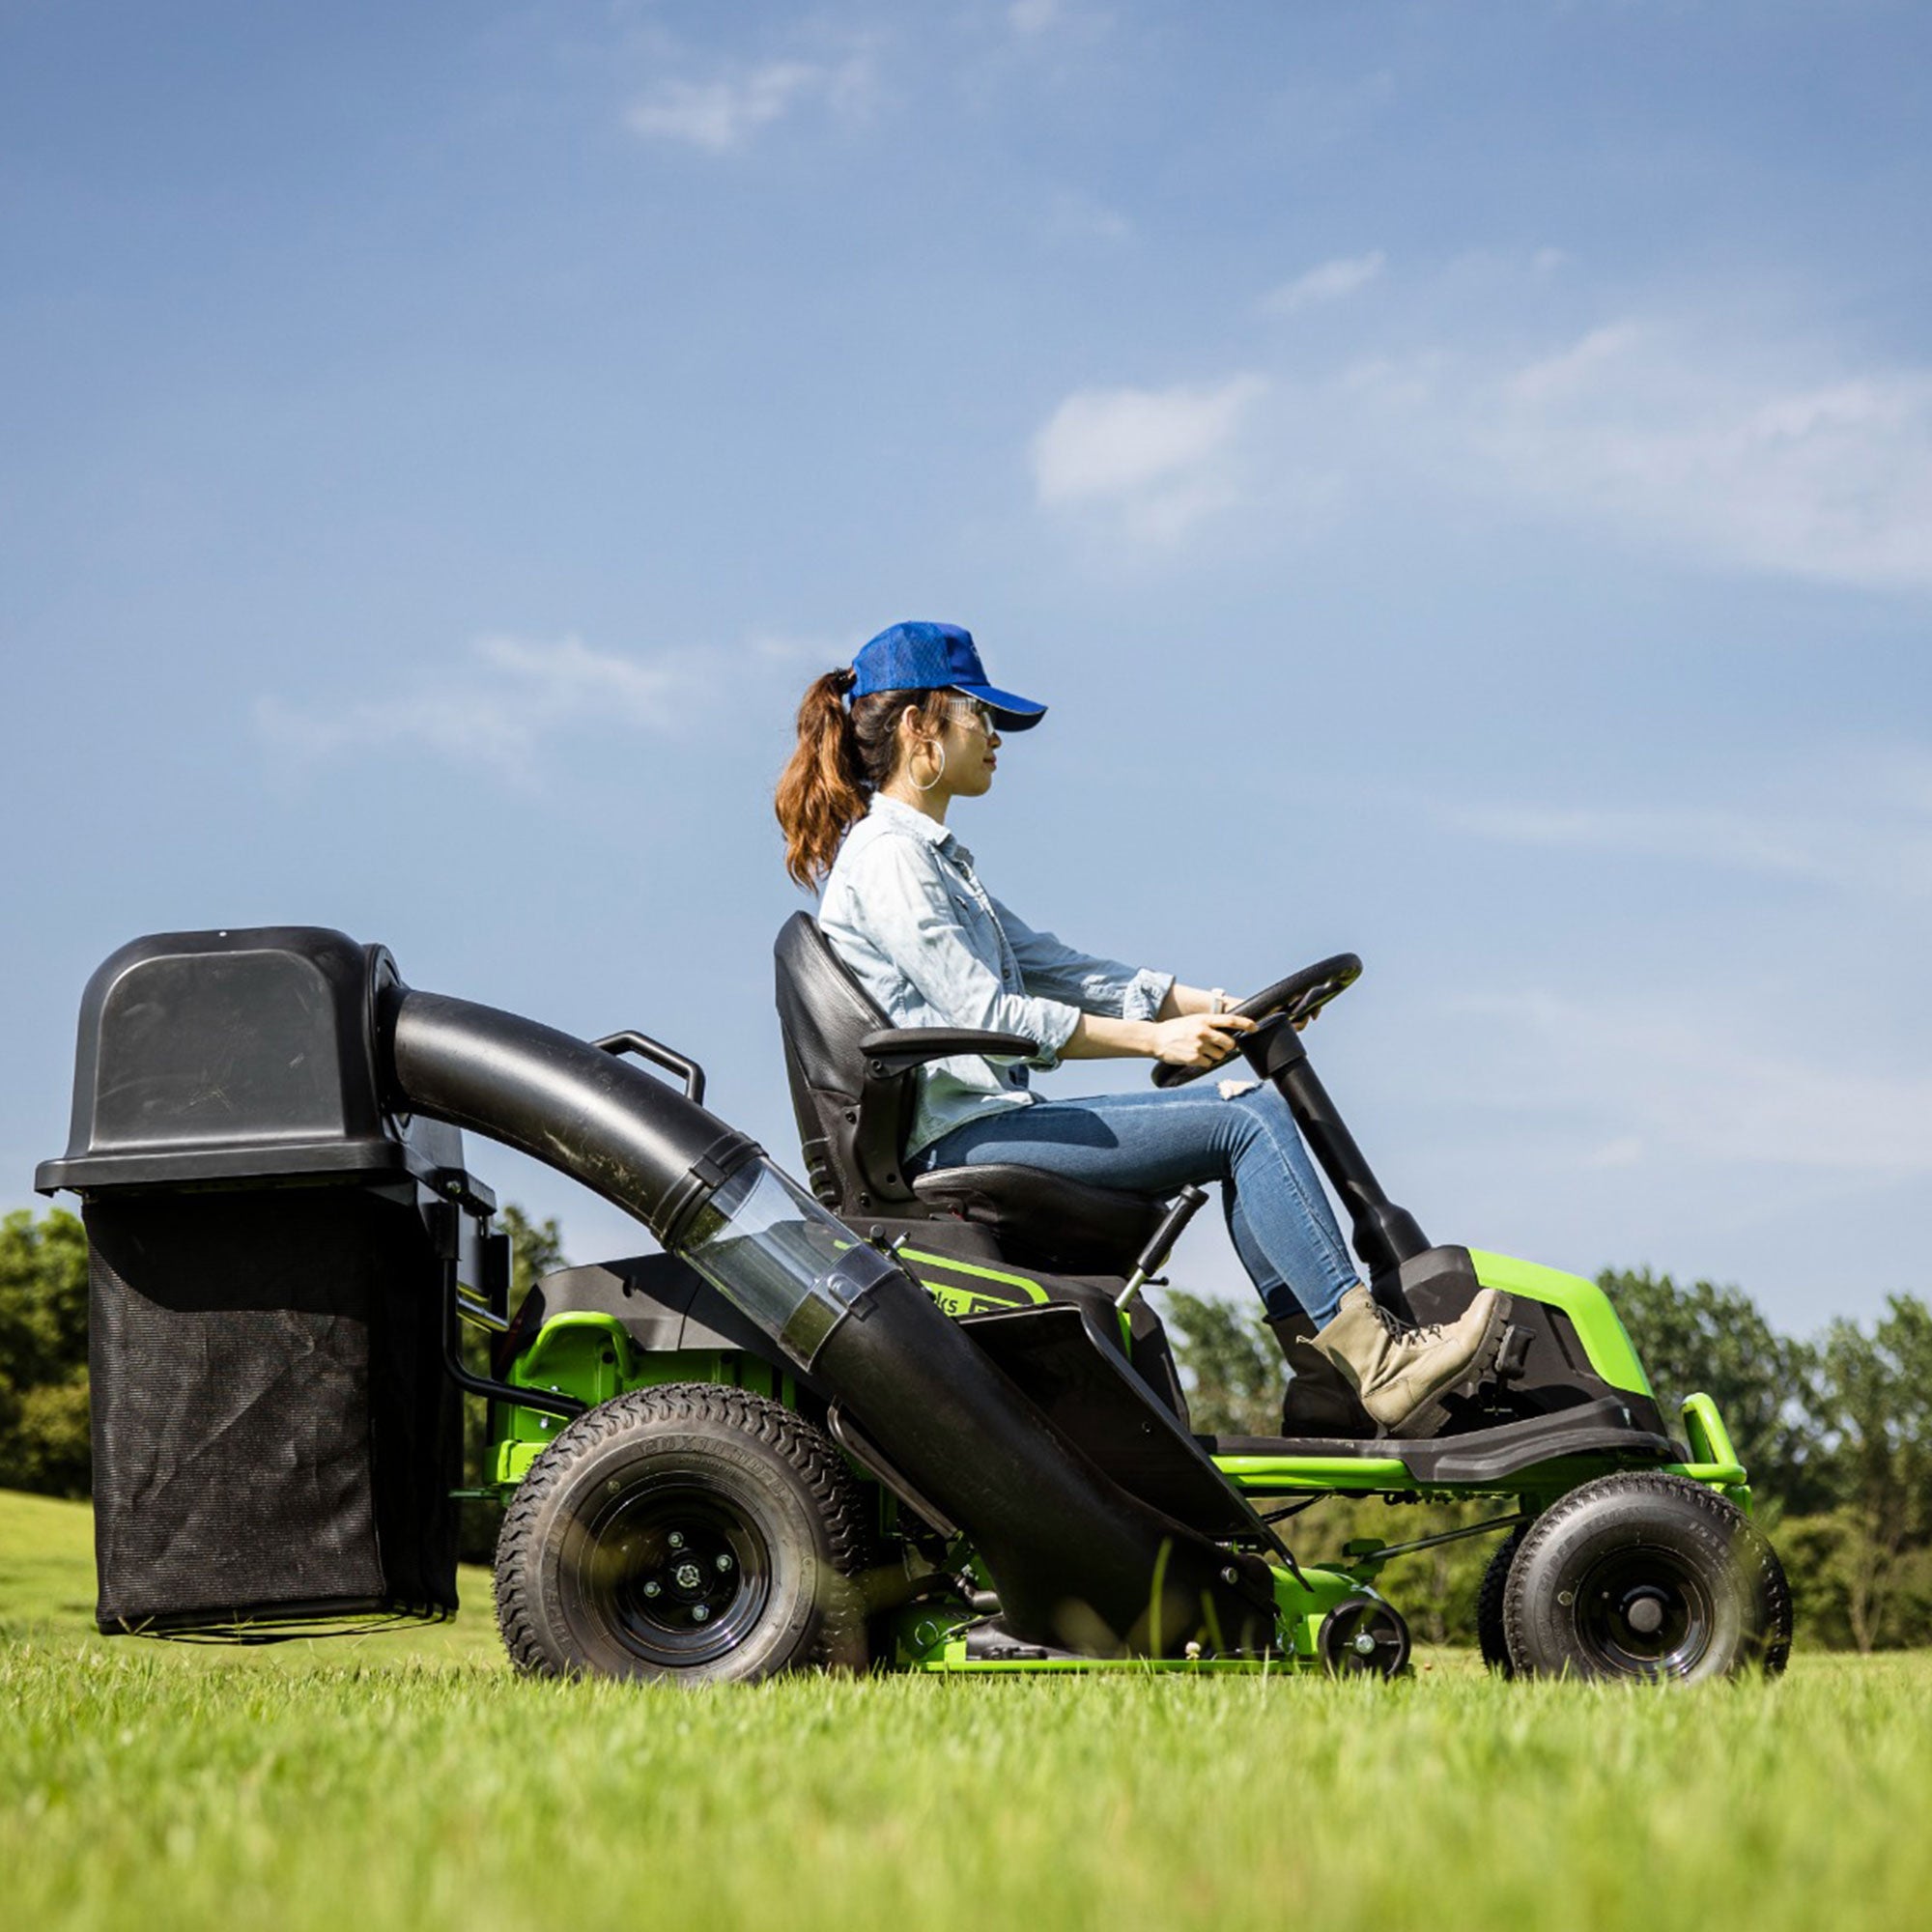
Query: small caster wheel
{"points": [[1363, 1637]]}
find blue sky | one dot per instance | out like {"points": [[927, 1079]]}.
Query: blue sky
{"points": [[1462, 478]]}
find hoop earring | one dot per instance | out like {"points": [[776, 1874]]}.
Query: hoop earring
{"points": [[936, 777]]}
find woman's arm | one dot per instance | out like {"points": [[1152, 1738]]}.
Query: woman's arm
{"points": [[1190, 1000], [1120, 1017], [1057, 971], [1200, 1038]]}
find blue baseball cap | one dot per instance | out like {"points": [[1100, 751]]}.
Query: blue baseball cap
{"points": [[938, 657]]}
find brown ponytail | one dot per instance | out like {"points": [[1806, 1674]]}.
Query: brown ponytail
{"points": [[841, 759]]}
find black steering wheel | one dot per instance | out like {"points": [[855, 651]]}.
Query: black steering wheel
{"points": [[1297, 998]]}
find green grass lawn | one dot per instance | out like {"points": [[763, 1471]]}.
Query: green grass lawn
{"points": [[408, 1781]]}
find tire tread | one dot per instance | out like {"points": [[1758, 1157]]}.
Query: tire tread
{"points": [[1490, 1631], [805, 1449], [1747, 1542]]}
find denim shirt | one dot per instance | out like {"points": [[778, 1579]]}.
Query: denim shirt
{"points": [[905, 911]]}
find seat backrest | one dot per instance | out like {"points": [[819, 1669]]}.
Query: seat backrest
{"points": [[851, 1124]]}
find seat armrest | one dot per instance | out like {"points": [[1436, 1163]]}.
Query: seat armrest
{"points": [[894, 1050]]}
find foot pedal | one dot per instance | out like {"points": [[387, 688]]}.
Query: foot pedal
{"points": [[1511, 1353]]}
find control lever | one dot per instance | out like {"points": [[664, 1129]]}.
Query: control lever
{"points": [[1187, 1205]]}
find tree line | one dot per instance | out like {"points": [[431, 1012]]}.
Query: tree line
{"points": [[1836, 1430]]}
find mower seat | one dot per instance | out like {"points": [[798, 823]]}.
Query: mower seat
{"points": [[853, 1108], [1069, 1226]]}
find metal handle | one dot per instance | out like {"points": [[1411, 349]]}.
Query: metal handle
{"points": [[660, 1055], [1187, 1205]]}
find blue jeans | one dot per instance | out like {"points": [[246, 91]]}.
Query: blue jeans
{"points": [[1154, 1143]]}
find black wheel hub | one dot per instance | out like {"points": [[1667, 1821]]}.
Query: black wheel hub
{"points": [[1364, 1636], [1645, 1613], [676, 1571]]}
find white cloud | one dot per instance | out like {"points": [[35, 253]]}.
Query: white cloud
{"points": [[1572, 371], [1873, 837], [1161, 458], [789, 648], [720, 115], [1715, 450], [1681, 1085], [1032, 17], [1626, 1150], [1328, 282], [1734, 841], [566, 677], [1072, 217], [1692, 439], [497, 709]]}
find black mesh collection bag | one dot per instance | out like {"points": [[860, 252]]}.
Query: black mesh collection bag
{"points": [[274, 1440], [274, 1435]]}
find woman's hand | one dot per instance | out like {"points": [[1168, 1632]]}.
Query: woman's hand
{"points": [[1197, 1040]]}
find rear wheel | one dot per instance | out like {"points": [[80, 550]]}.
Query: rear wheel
{"points": [[686, 1532], [1645, 1575]]}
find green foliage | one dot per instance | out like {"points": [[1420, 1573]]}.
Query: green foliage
{"points": [[43, 1440], [1716, 1341], [536, 1249], [1837, 1434], [1876, 1403]]}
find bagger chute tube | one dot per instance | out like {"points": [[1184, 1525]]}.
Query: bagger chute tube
{"points": [[871, 1422]]}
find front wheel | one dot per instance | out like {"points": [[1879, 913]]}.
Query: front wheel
{"points": [[686, 1532], [1489, 1602], [1645, 1575]]}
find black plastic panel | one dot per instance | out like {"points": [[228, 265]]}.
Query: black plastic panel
{"points": [[233, 1056], [1061, 1358]]}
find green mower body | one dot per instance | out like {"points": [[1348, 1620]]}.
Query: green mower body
{"points": [[603, 1332]]}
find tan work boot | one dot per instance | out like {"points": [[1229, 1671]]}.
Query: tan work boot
{"points": [[1402, 1374]]}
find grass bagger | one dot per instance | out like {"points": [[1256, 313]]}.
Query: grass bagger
{"points": [[907, 1422]]}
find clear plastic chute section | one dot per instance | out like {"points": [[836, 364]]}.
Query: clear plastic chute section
{"points": [[773, 1252]]}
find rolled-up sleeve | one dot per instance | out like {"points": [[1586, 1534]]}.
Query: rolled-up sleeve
{"points": [[1056, 971], [915, 914]]}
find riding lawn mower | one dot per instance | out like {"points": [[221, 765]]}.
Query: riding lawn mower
{"points": [[883, 1420]]}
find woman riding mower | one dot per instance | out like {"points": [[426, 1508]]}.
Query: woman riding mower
{"points": [[884, 748]]}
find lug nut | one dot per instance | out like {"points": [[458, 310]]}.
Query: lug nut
{"points": [[653, 1588], [700, 1611], [724, 1559], [675, 1538]]}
